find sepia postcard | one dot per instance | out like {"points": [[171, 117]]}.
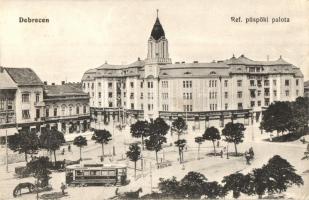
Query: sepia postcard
{"points": [[154, 99]]}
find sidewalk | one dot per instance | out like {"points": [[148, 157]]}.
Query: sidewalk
{"points": [[69, 137]]}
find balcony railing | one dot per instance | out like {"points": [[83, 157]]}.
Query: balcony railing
{"points": [[68, 116], [7, 117]]}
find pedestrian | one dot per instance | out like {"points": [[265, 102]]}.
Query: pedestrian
{"points": [[218, 143], [221, 153], [63, 150], [69, 148], [63, 187]]}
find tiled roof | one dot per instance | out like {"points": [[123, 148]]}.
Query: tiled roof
{"points": [[24, 76], [243, 60], [63, 90], [6, 81], [306, 84], [157, 30]]}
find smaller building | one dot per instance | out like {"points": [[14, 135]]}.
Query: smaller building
{"points": [[66, 108], [306, 89]]}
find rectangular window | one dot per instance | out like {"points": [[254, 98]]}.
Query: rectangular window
{"points": [[142, 84], [132, 106], [99, 94], [150, 95], [132, 84], [259, 93], [275, 93], [92, 85], [132, 95], [252, 83], [85, 109], [287, 93], [252, 103], [2, 104], [266, 101], [274, 82], [110, 84], [110, 95], [259, 83], [187, 84], [287, 82], [226, 106], [37, 113], [239, 106], [226, 95], [25, 98], [259, 103], [164, 84], [142, 106], [77, 110], [110, 104], [266, 82], [37, 97], [239, 94], [297, 82], [225, 83], [9, 104], [150, 84], [142, 95], [165, 107], [47, 112], [99, 84], [25, 114], [239, 83], [297, 92]]}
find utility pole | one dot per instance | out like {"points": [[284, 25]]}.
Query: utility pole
{"points": [[150, 177], [6, 150]]}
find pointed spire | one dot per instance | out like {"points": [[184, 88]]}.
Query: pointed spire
{"points": [[157, 30]]}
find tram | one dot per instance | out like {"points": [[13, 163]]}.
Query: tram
{"points": [[96, 174]]}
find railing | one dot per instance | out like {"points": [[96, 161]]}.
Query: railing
{"points": [[67, 116], [7, 117]]}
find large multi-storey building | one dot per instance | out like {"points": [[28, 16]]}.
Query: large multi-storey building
{"points": [[26, 103], [219, 91]]}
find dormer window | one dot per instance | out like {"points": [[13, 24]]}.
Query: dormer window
{"points": [[165, 74], [239, 69], [187, 73], [212, 73]]}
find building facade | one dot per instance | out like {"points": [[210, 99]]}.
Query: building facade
{"points": [[26, 103], [237, 88], [66, 108]]}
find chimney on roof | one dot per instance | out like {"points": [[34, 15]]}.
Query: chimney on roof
{"points": [[177, 62], [214, 61], [45, 82], [62, 82], [242, 55], [53, 83], [195, 61], [183, 62], [1, 69], [280, 57], [139, 59]]}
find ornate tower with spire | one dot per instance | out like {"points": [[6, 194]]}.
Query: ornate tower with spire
{"points": [[158, 45]]}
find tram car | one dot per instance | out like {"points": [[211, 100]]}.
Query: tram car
{"points": [[96, 174]]}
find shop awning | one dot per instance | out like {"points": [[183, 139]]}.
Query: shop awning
{"points": [[9, 131]]}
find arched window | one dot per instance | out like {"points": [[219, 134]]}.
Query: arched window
{"points": [[212, 73], [63, 106], [70, 109], [77, 109], [85, 109]]}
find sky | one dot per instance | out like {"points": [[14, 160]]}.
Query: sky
{"points": [[84, 34]]}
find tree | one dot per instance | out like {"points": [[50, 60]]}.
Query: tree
{"points": [[213, 190], [199, 140], [300, 113], [234, 133], [179, 126], [25, 141], [274, 177], [102, 137], [38, 167], [277, 117], [192, 185], [235, 182], [154, 143], [181, 143], [139, 130], [170, 187], [80, 141], [134, 154], [157, 131], [212, 134], [51, 140]]}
